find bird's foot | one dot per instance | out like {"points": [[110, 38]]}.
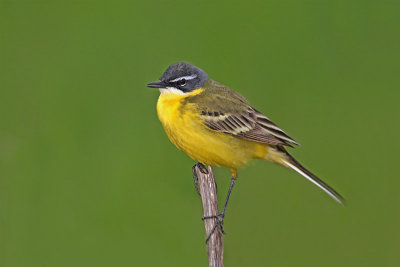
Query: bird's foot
{"points": [[203, 170], [219, 223]]}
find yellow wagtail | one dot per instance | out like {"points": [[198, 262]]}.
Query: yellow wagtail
{"points": [[216, 126]]}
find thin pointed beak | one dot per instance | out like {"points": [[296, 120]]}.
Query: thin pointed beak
{"points": [[158, 84]]}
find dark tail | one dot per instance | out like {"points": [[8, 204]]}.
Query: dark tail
{"points": [[293, 164]]}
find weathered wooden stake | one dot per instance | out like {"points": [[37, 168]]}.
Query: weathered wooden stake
{"points": [[208, 192]]}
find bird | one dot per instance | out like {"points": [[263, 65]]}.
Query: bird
{"points": [[217, 126]]}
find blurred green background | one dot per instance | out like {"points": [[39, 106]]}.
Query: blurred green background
{"points": [[89, 178]]}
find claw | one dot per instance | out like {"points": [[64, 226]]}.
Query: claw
{"points": [[202, 168], [196, 179]]}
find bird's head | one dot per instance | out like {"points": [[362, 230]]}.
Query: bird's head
{"points": [[181, 78]]}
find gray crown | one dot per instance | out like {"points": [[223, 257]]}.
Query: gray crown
{"points": [[184, 76]]}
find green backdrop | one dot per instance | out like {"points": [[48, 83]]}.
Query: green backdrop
{"points": [[89, 178]]}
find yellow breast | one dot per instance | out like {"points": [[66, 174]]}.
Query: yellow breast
{"points": [[182, 123]]}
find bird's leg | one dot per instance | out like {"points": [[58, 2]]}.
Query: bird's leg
{"points": [[220, 217], [203, 169], [233, 180]]}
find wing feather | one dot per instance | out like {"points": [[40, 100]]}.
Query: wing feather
{"points": [[251, 125], [224, 110]]}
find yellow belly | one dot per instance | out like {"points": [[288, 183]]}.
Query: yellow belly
{"points": [[186, 131]]}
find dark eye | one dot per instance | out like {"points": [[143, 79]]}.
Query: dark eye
{"points": [[181, 82]]}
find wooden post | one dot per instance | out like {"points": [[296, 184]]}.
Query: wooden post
{"points": [[208, 192]]}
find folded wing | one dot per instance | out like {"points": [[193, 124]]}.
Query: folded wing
{"points": [[246, 123]]}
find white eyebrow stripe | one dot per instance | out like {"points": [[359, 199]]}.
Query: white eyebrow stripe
{"points": [[191, 77]]}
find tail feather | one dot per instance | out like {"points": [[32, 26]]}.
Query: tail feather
{"points": [[293, 164]]}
